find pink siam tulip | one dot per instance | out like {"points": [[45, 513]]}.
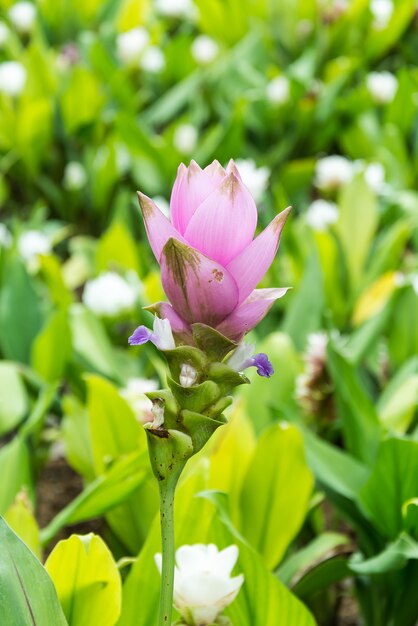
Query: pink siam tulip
{"points": [[210, 262]]}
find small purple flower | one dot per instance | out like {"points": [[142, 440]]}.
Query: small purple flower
{"points": [[141, 335], [263, 365], [161, 335], [244, 357]]}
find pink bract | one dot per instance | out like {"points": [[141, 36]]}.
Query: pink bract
{"points": [[210, 262]]}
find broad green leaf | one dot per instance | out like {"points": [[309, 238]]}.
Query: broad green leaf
{"points": [[116, 247], [356, 227], [393, 557], [276, 491], [322, 577], [20, 312], [361, 426], [308, 557], [103, 494], [75, 434], [397, 406], [21, 519], [49, 362], [410, 516], [83, 85], [13, 397], [87, 580], [14, 471], [393, 481], [28, 594]]}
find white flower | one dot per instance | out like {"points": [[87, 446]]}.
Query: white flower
{"points": [[321, 214], [316, 346], [4, 34], [382, 12], [134, 394], [75, 176], [153, 60], [109, 295], [131, 44], [162, 204], [203, 586], [23, 15], [12, 78], [332, 172], [176, 8], [278, 90], [163, 334], [185, 138], [414, 282], [382, 86], [239, 359], [32, 243], [374, 175], [255, 178], [204, 49], [188, 375], [5, 237]]}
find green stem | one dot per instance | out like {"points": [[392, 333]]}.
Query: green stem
{"points": [[167, 490]]}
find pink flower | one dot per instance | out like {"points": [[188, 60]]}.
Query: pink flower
{"points": [[210, 262]]}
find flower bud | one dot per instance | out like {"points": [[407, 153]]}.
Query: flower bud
{"points": [[23, 15], [382, 86], [109, 295], [12, 78], [188, 375], [204, 49]]}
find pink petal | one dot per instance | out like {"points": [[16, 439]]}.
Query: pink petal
{"points": [[225, 222], [164, 310], [158, 227], [249, 267], [199, 289], [232, 168], [250, 313], [192, 186]]}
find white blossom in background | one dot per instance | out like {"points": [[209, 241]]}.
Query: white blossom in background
{"points": [[23, 16], [32, 243], [109, 295], [153, 60], [278, 90], [333, 172], [414, 282], [382, 86], [176, 8], [131, 44], [163, 204], [12, 78], [75, 176], [204, 49], [134, 394], [321, 214], [382, 11], [5, 237], [185, 138], [253, 177], [203, 585], [374, 175], [4, 34]]}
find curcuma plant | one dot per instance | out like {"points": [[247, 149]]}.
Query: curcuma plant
{"points": [[210, 268]]}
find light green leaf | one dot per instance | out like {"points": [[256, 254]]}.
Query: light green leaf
{"points": [[47, 360], [14, 471], [393, 557], [13, 397], [116, 247], [21, 519], [28, 594], [87, 581], [398, 402], [276, 491]]}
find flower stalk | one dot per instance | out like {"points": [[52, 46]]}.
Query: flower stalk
{"points": [[167, 489]]}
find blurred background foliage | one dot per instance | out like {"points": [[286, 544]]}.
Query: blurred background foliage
{"points": [[317, 101]]}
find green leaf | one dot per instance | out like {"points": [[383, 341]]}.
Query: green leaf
{"points": [[393, 481], [275, 492], [49, 362], [322, 576], [21, 519], [87, 581], [393, 557], [20, 313], [361, 426], [28, 594], [398, 402], [14, 471], [214, 345], [83, 85], [116, 247], [13, 397]]}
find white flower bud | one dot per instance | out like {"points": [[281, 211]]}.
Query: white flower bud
{"points": [[278, 90], [75, 176], [253, 177], [176, 8], [382, 86], [204, 49], [185, 138], [131, 44], [134, 394], [12, 78], [188, 375], [321, 214], [153, 60], [382, 11], [203, 586], [332, 172], [4, 34], [109, 295], [23, 15], [32, 243]]}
